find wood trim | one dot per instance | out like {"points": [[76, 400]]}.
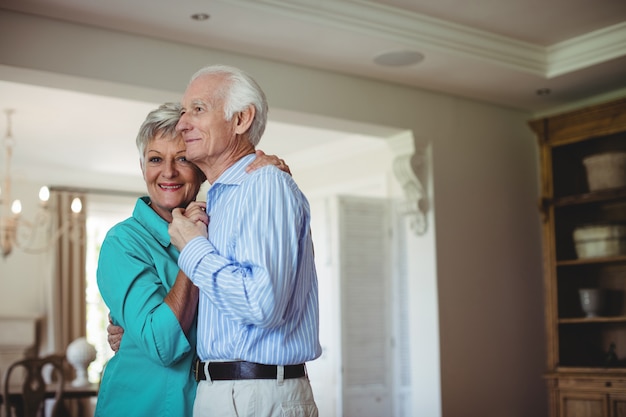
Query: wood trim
{"points": [[600, 120]]}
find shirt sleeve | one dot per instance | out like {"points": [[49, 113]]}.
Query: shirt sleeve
{"points": [[253, 278], [132, 289]]}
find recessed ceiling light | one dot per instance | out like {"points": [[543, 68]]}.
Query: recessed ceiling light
{"points": [[398, 58], [543, 92], [200, 16]]}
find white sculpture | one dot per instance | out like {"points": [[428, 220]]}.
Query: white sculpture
{"points": [[80, 354]]}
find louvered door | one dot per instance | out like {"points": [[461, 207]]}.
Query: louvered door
{"points": [[365, 274]]}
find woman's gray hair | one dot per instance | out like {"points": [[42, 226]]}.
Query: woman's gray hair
{"points": [[241, 92], [161, 121]]}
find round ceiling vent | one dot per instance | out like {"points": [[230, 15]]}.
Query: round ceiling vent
{"points": [[398, 58]]}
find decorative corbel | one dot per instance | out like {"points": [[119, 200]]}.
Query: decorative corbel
{"points": [[415, 204]]}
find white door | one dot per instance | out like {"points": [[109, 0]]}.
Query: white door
{"points": [[365, 275]]}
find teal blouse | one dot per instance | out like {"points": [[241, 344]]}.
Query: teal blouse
{"points": [[151, 374]]}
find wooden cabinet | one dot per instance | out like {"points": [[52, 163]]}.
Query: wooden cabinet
{"points": [[585, 396], [618, 405], [586, 356]]}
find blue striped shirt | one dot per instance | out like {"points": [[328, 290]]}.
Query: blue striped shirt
{"points": [[256, 272]]}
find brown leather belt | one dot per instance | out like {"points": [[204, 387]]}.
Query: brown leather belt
{"points": [[225, 371]]}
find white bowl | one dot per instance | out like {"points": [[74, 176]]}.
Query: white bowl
{"points": [[592, 301]]}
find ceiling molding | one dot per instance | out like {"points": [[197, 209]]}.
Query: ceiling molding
{"points": [[424, 33], [411, 30], [587, 50]]}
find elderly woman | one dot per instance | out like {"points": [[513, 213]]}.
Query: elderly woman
{"points": [[147, 295]]}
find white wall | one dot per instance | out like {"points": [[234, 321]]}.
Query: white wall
{"points": [[484, 189], [22, 275], [489, 276]]}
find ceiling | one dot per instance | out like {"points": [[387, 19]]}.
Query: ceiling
{"points": [[499, 51]]}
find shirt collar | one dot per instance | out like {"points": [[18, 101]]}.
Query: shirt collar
{"points": [[151, 221], [235, 174]]}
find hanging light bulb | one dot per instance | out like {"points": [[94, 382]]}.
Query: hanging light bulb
{"points": [[16, 207], [44, 195], [76, 206], [35, 236]]}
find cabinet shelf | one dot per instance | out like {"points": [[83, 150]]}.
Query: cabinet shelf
{"points": [[591, 261], [593, 373], [604, 196], [585, 320]]}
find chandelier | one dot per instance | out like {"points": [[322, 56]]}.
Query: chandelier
{"points": [[30, 236]]}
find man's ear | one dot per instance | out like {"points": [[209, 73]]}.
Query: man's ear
{"points": [[244, 119]]}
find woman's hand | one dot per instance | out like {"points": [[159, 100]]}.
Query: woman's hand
{"points": [[114, 335], [196, 212], [182, 229], [263, 160]]}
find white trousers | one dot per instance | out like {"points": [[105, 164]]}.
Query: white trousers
{"points": [[255, 398]]}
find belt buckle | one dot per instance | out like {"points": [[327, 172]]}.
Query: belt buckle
{"points": [[196, 370]]}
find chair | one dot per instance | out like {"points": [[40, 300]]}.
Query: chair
{"points": [[30, 399]]}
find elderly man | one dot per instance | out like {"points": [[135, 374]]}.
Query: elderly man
{"points": [[258, 319]]}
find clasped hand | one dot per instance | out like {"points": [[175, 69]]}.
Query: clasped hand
{"points": [[188, 223]]}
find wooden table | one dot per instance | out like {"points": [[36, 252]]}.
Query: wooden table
{"points": [[69, 393]]}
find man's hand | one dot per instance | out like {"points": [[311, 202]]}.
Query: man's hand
{"points": [[114, 336], [188, 224]]}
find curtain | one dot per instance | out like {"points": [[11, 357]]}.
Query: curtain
{"points": [[67, 309]]}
